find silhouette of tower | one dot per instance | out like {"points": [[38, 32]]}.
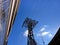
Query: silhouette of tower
{"points": [[30, 24]]}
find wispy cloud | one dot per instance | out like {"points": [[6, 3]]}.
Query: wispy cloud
{"points": [[43, 28], [50, 35], [44, 33], [26, 33]]}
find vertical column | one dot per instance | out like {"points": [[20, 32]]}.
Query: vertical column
{"points": [[31, 40]]}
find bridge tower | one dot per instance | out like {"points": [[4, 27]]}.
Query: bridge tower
{"points": [[30, 24]]}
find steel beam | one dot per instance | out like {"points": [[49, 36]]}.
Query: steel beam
{"points": [[11, 16]]}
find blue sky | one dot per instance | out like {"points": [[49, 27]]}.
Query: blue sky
{"points": [[46, 12]]}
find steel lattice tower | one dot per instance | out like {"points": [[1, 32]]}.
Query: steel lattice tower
{"points": [[30, 24]]}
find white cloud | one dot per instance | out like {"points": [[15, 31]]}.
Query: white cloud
{"points": [[50, 35], [44, 33], [26, 33], [43, 28], [40, 32]]}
